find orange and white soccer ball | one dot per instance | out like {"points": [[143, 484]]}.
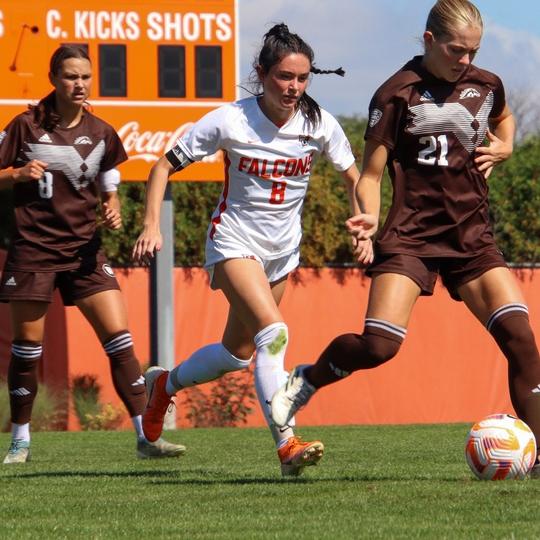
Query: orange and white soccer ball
{"points": [[500, 447]]}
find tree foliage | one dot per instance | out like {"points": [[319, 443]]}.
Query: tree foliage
{"points": [[515, 203]]}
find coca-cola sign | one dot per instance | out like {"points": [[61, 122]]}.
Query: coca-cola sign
{"points": [[150, 145]]}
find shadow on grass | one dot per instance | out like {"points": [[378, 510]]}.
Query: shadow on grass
{"points": [[172, 477]]}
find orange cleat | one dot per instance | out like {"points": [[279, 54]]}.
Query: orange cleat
{"points": [[296, 455], [157, 404]]}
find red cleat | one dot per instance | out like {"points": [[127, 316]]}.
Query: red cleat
{"points": [[157, 404]]}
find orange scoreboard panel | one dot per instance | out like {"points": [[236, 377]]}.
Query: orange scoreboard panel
{"points": [[158, 66]]}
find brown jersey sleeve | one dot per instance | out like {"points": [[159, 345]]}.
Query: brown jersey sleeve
{"points": [[385, 113], [10, 142], [114, 151], [499, 101]]}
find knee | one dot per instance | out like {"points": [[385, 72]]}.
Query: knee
{"points": [[273, 338], [235, 362], [242, 351], [381, 349]]}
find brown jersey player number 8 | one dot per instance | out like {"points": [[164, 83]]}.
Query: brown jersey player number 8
{"points": [[61, 161]]}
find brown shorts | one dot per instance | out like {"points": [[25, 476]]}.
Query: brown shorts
{"points": [[72, 284], [454, 271]]}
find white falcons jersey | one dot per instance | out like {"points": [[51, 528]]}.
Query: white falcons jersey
{"points": [[267, 171]]}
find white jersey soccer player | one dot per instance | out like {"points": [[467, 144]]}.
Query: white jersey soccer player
{"points": [[269, 143], [267, 170]]}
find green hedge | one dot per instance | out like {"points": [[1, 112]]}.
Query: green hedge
{"points": [[515, 198]]}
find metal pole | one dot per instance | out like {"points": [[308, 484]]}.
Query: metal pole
{"points": [[162, 297]]}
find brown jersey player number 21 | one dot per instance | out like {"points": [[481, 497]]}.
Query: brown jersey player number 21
{"points": [[427, 124], [60, 160]]}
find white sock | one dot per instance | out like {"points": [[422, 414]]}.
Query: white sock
{"points": [[20, 431], [271, 344], [204, 365], [137, 424]]}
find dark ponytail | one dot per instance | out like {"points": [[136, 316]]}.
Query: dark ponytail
{"points": [[45, 115], [279, 42]]}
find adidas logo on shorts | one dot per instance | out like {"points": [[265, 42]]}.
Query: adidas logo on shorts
{"points": [[11, 282]]}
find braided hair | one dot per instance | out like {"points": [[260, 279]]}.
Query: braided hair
{"points": [[45, 115], [279, 42]]}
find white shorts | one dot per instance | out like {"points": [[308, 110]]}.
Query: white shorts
{"points": [[275, 269]]}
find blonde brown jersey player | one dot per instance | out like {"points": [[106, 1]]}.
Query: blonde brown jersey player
{"points": [[428, 125]]}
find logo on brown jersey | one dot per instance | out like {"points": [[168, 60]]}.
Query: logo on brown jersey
{"points": [[469, 129], [426, 96], [46, 138], [374, 117], [469, 93], [83, 139], [65, 159]]}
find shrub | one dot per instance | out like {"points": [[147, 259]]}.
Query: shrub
{"points": [[92, 415], [226, 402]]}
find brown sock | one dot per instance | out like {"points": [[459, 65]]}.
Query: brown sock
{"points": [[126, 372], [513, 333], [23, 379], [350, 352]]}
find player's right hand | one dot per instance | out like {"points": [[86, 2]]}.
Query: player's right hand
{"points": [[33, 170], [148, 243]]}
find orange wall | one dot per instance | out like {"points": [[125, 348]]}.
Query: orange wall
{"points": [[448, 370]]}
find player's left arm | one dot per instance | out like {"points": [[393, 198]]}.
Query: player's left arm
{"points": [[500, 136]]}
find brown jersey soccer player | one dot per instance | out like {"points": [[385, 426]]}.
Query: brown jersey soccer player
{"points": [[427, 124], [61, 160]]}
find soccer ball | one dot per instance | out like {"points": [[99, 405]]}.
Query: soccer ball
{"points": [[500, 447]]}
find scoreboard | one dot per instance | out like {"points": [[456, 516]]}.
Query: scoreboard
{"points": [[158, 66]]}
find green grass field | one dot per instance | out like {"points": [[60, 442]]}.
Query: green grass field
{"points": [[374, 482]]}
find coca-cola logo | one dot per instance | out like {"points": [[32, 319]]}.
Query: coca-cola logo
{"points": [[151, 145]]}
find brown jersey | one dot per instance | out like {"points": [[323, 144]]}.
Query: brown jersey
{"points": [[55, 216], [431, 128]]}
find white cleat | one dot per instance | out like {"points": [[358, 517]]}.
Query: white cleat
{"points": [[293, 395], [19, 452], [159, 449]]}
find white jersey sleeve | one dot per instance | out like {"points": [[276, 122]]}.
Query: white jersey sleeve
{"points": [[337, 148], [205, 137], [202, 140]]}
